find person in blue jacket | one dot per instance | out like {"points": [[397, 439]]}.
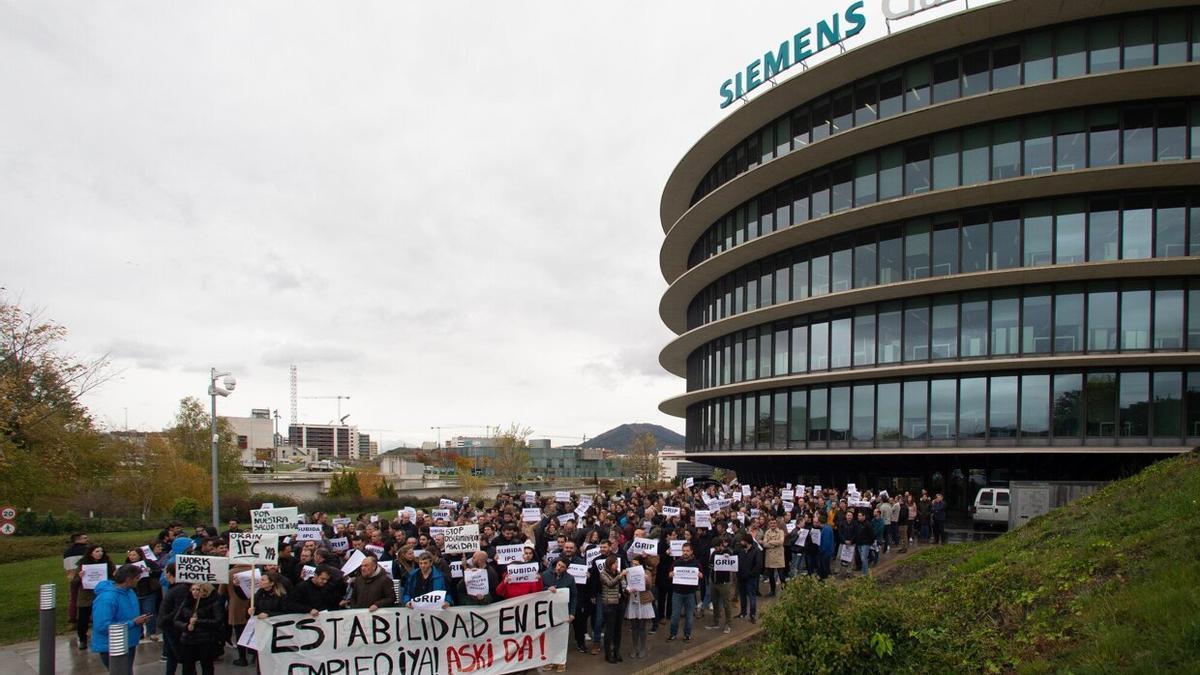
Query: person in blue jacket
{"points": [[116, 602], [826, 554], [425, 579], [180, 546]]}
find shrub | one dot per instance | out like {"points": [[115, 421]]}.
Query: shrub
{"points": [[186, 510]]}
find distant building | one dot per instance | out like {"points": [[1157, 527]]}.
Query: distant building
{"points": [[400, 463], [254, 436], [367, 448], [330, 441], [676, 465], [545, 460]]}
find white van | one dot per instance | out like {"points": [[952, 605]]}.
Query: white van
{"points": [[991, 507]]}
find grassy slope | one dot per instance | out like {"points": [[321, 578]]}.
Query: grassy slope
{"points": [[1108, 583], [29, 562]]}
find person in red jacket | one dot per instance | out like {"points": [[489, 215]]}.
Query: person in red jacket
{"points": [[515, 589]]}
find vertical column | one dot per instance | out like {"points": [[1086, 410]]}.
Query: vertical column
{"points": [[46, 628]]}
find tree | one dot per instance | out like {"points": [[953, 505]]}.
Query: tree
{"points": [[385, 490], [464, 470], [191, 438], [344, 484], [153, 474], [48, 442], [512, 460], [642, 462]]}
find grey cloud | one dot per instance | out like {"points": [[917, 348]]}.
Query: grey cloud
{"points": [[284, 355]]}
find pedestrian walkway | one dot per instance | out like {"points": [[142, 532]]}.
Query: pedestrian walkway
{"points": [[662, 656]]}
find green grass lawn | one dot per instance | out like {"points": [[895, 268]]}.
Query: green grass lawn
{"points": [[1109, 583], [28, 562]]}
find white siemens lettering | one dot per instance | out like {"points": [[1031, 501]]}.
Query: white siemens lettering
{"points": [[911, 7], [790, 52]]}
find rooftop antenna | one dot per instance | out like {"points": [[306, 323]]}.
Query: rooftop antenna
{"points": [[295, 416]]}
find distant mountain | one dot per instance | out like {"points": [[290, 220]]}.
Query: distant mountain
{"points": [[621, 438]]}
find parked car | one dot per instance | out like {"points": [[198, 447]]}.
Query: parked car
{"points": [[991, 507]]}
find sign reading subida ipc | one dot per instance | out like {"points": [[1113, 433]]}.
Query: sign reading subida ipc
{"points": [[517, 634]]}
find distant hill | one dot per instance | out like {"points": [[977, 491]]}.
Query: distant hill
{"points": [[620, 438]]}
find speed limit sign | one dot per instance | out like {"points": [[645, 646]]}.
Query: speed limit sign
{"points": [[7, 528], [8, 513]]}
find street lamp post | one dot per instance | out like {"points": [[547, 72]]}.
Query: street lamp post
{"points": [[215, 390]]}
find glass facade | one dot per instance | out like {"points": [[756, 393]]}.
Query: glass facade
{"points": [[1077, 356], [1034, 408], [1035, 320], [1028, 234], [1072, 50], [1040, 144]]}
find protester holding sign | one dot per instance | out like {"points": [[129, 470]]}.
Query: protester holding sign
{"points": [[721, 582], [510, 588], [201, 627], [479, 581], [86, 592], [270, 598], [612, 588], [315, 594], [685, 576], [148, 589], [640, 609], [750, 566], [116, 602], [423, 580], [559, 580]]}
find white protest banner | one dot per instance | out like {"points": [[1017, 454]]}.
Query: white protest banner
{"points": [[456, 569], [670, 511], [148, 554], [585, 500], [703, 519], [815, 533], [788, 507], [530, 497], [580, 572], [581, 510], [244, 582], [565, 517], [790, 527], [689, 482], [461, 539], [201, 569], [374, 517], [787, 495], [552, 545], [635, 578], [339, 522], [417, 553], [267, 505], [643, 546], [754, 513], [307, 572], [522, 572], [71, 562], [562, 496], [374, 550], [441, 514], [431, 600], [510, 554], [725, 563], [339, 545], [447, 503], [476, 581], [275, 521], [355, 561], [802, 536], [309, 533], [851, 488], [745, 490], [718, 504], [676, 548], [532, 515], [145, 570], [409, 511], [253, 548], [508, 636], [847, 554], [686, 576], [816, 489]]}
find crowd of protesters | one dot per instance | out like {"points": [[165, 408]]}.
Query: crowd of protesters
{"points": [[584, 545]]}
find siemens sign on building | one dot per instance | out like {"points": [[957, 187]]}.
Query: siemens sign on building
{"points": [[791, 52], [965, 252]]}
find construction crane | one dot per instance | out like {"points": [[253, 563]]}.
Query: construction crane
{"points": [[339, 401]]}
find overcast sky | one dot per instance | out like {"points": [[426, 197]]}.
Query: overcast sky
{"points": [[445, 210]]}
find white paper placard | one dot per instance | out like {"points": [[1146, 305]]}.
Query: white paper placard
{"points": [[703, 519], [725, 563], [353, 563], [676, 548], [522, 572], [430, 601], [197, 569], [476, 582], [309, 533], [644, 546], [460, 539], [339, 545], [580, 572], [274, 521], [670, 511], [510, 554], [562, 496], [686, 576], [253, 548], [635, 578], [531, 515]]}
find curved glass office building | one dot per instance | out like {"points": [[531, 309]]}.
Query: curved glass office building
{"points": [[965, 252]]}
